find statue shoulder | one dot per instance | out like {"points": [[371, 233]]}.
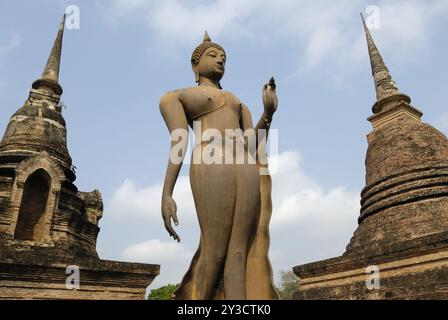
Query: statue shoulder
{"points": [[170, 96], [178, 94]]}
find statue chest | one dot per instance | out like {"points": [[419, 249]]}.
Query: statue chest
{"points": [[203, 100]]}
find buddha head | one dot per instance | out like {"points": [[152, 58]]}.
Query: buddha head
{"points": [[208, 60]]}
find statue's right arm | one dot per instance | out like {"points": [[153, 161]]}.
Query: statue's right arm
{"points": [[174, 115]]}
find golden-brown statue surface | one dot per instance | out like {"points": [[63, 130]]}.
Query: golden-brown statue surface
{"points": [[233, 200]]}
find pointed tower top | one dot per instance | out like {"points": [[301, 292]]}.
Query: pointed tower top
{"points": [[376, 60], [207, 37], [384, 84], [50, 76]]}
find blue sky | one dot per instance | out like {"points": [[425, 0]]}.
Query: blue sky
{"points": [[126, 54]]}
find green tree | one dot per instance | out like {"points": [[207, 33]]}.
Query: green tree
{"points": [[163, 293], [290, 284]]}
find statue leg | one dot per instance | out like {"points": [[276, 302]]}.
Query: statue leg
{"points": [[247, 209], [214, 192]]}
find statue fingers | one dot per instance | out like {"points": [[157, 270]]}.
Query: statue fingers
{"points": [[175, 219], [272, 84], [175, 236], [171, 231], [167, 225]]}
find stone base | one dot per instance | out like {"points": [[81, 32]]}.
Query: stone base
{"points": [[32, 278], [418, 273]]}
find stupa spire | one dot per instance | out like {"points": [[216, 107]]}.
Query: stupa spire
{"points": [[50, 75], [385, 86]]}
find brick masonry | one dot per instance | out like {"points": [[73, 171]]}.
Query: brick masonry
{"points": [[403, 224], [46, 223]]}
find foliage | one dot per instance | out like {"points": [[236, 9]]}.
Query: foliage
{"points": [[163, 293], [290, 284]]}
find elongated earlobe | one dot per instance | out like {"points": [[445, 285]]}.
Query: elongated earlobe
{"points": [[196, 72], [196, 75]]}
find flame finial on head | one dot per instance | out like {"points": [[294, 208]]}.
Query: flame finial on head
{"points": [[207, 37]]}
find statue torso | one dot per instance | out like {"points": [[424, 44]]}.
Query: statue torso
{"points": [[213, 107]]}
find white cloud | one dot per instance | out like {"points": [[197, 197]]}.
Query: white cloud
{"points": [[174, 259], [156, 250], [298, 199], [308, 222], [320, 33], [185, 22], [132, 201], [407, 26]]}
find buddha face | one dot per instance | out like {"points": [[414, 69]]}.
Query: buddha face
{"points": [[212, 64]]}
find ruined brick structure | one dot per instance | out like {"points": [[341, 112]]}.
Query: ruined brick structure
{"points": [[403, 226], [46, 224]]}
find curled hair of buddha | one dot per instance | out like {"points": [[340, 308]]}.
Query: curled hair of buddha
{"points": [[200, 49]]}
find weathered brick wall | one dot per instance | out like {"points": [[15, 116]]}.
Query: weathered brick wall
{"points": [[403, 145], [406, 196], [403, 226], [398, 225], [5, 204], [41, 276], [33, 129], [418, 277]]}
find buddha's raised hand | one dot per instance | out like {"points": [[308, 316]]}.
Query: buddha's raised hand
{"points": [[169, 212], [270, 100]]}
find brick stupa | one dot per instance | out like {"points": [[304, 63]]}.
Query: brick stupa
{"points": [[46, 224], [403, 226]]}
